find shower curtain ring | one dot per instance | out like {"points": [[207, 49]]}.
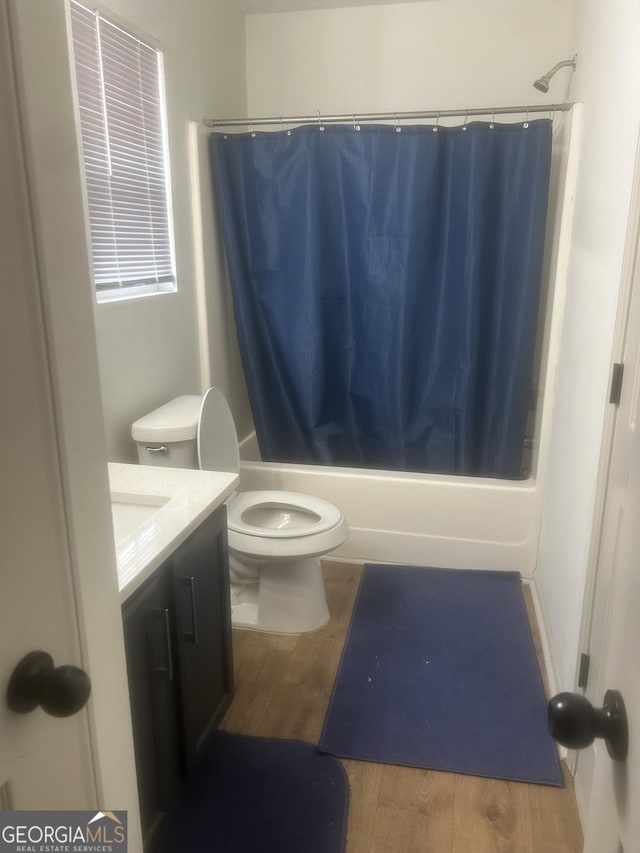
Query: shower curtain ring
{"points": [[320, 125], [398, 128], [284, 127], [493, 118], [526, 121], [435, 127], [355, 125], [466, 116], [252, 132]]}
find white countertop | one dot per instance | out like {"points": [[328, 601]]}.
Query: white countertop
{"points": [[184, 499]]}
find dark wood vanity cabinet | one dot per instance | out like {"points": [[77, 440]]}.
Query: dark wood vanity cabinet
{"points": [[154, 701], [203, 633], [177, 630]]}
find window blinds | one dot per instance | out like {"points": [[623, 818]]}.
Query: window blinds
{"points": [[119, 81]]}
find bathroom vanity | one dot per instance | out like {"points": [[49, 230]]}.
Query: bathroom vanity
{"points": [[174, 578]]}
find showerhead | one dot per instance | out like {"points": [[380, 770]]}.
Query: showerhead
{"points": [[542, 83]]}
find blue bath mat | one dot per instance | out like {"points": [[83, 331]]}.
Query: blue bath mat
{"points": [[439, 671], [261, 795]]}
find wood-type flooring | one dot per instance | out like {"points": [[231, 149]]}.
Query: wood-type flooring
{"points": [[283, 686]]}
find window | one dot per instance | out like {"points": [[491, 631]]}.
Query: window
{"points": [[120, 93]]}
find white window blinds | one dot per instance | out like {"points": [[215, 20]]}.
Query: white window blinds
{"points": [[120, 93]]}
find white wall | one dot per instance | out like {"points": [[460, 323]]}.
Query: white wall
{"points": [[148, 348], [430, 55], [606, 37]]}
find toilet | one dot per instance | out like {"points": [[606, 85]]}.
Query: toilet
{"points": [[276, 538]]}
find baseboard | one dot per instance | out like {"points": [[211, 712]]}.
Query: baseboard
{"points": [[548, 654], [553, 676]]}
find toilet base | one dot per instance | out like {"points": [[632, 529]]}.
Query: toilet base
{"points": [[287, 598]]}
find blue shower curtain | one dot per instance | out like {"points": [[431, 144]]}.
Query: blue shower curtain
{"points": [[385, 288]]}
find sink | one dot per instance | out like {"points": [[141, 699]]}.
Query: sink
{"points": [[131, 511]]}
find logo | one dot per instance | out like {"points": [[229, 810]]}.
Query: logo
{"points": [[63, 832]]}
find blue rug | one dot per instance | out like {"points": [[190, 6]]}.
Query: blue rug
{"points": [[261, 795], [439, 671]]}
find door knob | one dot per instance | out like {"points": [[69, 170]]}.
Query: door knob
{"points": [[59, 690], [575, 723]]}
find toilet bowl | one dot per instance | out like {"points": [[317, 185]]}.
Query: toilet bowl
{"points": [[275, 537]]}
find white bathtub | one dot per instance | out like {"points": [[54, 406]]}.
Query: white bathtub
{"points": [[424, 519]]}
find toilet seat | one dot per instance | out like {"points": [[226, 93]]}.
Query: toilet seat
{"points": [[281, 515], [268, 544]]}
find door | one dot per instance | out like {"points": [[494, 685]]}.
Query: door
{"points": [[58, 585], [613, 818], [44, 762]]}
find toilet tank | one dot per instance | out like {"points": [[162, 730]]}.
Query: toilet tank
{"points": [[167, 436]]}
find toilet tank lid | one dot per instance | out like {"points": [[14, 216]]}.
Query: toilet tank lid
{"points": [[175, 421]]}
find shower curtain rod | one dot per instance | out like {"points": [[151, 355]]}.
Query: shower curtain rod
{"points": [[399, 116]]}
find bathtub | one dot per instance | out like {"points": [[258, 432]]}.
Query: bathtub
{"points": [[423, 519]]}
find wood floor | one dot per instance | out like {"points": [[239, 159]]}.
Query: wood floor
{"points": [[283, 685]]}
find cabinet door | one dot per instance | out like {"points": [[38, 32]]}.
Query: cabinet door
{"points": [[203, 631], [147, 633]]}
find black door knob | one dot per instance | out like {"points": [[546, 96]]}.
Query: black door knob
{"points": [[59, 690], [575, 723]]}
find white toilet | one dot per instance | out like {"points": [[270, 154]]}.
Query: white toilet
{"points": [[275, 538]]}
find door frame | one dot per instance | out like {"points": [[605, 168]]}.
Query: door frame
{"points": [[46, 125]]}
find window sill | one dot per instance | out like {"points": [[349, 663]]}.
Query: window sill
{"points": [[141, 291]]}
